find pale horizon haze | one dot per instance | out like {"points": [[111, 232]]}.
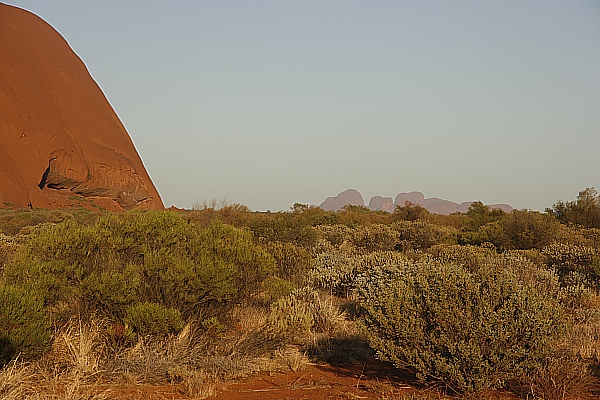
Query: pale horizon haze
{"points": [[271, 103]]}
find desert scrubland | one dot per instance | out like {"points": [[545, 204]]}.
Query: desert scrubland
{"points": [[473, 304]]}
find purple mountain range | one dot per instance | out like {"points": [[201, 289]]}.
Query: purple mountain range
{"points": [[432, 204]]}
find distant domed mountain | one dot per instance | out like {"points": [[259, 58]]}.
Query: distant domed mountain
{"points": [[350, 196], [377, 203], [382, 203], [61, 143]]}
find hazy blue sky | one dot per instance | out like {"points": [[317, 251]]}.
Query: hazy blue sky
{"points": [[275, 102]]}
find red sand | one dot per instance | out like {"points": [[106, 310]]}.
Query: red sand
{"points": [[372, 381]]}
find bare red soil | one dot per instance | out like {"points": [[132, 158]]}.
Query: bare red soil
{"points": [[372, 380], [314, 382]]}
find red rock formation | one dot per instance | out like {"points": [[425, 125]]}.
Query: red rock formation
{"points": [[378, 203], [433, 204], [61, 143], [414, 198], [349, 196]]}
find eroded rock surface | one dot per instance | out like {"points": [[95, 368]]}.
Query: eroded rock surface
{"points": [[61, 143]]}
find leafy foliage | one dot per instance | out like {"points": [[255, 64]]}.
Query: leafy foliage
{"points": [[155, 257], [293, 261], [153, 319], [24, 323], [411, 212], [523, 230], [469, 329], [421, 234], [472, 300], [584, 211], [337, 271], [479, 215], [571, 261]]}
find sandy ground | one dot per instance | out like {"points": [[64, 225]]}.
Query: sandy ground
{"points": [[323, 382]]}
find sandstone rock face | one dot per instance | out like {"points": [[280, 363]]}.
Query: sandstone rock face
{"points": [[350, 196], [61, 143]]}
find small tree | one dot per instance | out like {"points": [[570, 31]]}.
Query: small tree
{"points": [[524, 230], [410, 212], [479, 215], [584, 211]]}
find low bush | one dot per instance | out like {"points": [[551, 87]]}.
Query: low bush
{"points": [[421, 234], [376, 237], [303, 313], [334, 234], [274, 288], [293, 261], [13, 221], [138, 257], [471, 330], [24, 323], [584, 211], [574, 261], [523, 230], [284, 227], [8, 246], [291, 318], [517, 230], [337, 271], [153, 319]]}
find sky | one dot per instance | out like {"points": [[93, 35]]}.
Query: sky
{"points": [[268, 103]]}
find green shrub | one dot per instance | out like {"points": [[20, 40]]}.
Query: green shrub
{"points": [[517, 230], [469, 257], [470, 330], [334, 234], [112, 291], [584, 211], [291, 318], [24, 323], [13, 221], [523, 230], [479, 215], [8, 247], [243, 264], [410, 212], [421, 234], [376, 237], [275, 288], [153, 319], [355, 216], [284, 227], [337, 271], [135, 257], [475, 238], [293, 261], [571, 260], [334, 271]]}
